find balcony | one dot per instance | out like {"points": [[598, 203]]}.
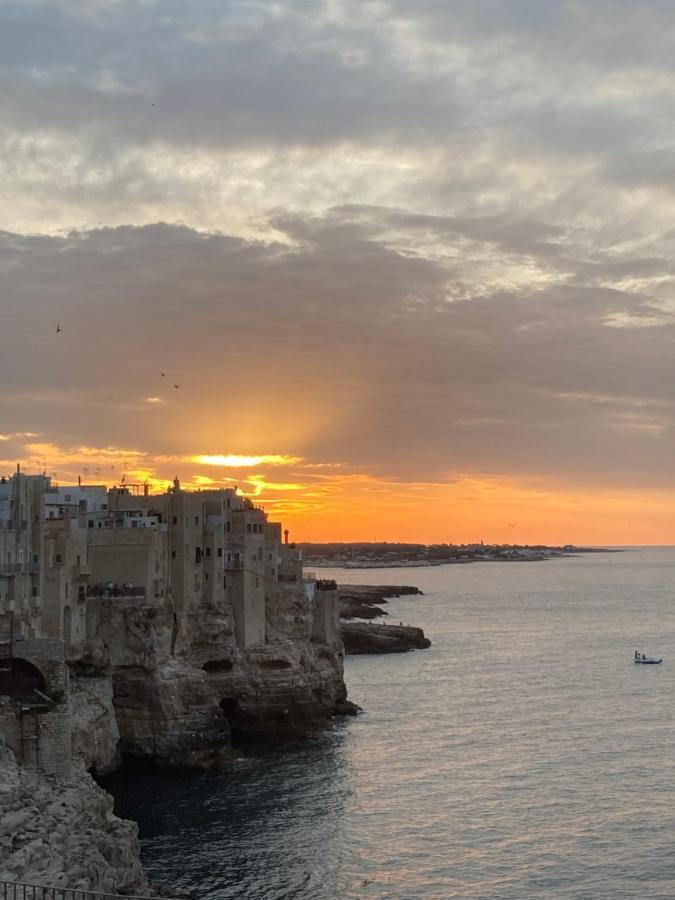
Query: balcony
{"points": [[18, 568]]}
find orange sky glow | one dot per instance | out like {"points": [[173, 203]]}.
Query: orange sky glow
{"points": [[329, 503]]}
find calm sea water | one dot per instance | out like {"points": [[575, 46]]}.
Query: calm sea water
{"points": [[523, 755]]}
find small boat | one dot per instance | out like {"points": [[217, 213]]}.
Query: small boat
{"points": [[647, 661]]}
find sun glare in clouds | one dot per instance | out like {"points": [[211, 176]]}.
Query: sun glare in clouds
{"points": [[234, 461]]}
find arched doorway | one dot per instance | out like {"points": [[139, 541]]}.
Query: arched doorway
{"points": [[20, 679]]}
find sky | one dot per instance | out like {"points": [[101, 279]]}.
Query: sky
{"points": [[408, 262]]}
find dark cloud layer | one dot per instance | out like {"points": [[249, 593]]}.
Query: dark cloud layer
{"points": [[342, 328]]}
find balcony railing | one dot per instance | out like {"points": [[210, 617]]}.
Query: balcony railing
{"points": [[18, 890], [19, 568]]}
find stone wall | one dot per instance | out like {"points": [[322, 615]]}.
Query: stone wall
{"points": [[37, 730]]}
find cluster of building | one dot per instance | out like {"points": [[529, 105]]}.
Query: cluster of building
{"points": [[64, 549]]}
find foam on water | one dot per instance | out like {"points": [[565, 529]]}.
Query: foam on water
{"points": [[523, 755]]}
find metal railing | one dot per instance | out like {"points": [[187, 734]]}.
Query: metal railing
{"points": [[18, 890]]}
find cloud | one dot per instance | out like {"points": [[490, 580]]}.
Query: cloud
{"points": [[412, 240], [351, 340]]}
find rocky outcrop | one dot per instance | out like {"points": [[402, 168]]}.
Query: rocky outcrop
{"points": [[360, 637], [63, 833], [359, 601]]}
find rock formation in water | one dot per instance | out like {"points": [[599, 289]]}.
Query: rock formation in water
{"points": [[367, 637], [358, 601]]}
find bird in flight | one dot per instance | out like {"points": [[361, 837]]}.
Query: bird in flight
{"points": [[163, 374], [176, 386], [512, 524], [59, 329]]}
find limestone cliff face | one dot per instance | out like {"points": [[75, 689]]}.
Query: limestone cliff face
{"points": [[95, 734], [63, 833], [291, 683], [181, 687]]}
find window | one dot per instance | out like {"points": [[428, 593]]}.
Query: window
{"points": [[208, 551], [90, 523], [248, 527], [206, 576], [104, 505], [67, 498], [220, 551], [256, 581], [196, 520], [57, 558], [173, 554], [198, 555], [228, 527], [228, 503], [260, 554], [175, 520]]}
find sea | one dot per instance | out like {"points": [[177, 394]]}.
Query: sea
{"points": [[523, 755]]}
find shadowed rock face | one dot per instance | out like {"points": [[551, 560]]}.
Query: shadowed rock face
{"points": [[362, 637]]}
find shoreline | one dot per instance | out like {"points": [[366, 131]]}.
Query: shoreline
{"points": [[428, 564]]}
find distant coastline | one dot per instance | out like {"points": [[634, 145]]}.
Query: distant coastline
{"points": [[403, 556]]}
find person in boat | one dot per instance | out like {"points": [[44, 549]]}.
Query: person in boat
{"points": [[643, 657], [637, 655]]}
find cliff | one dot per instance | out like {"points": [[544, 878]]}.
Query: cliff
{"points": [[62, 832], [177, 694]]}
